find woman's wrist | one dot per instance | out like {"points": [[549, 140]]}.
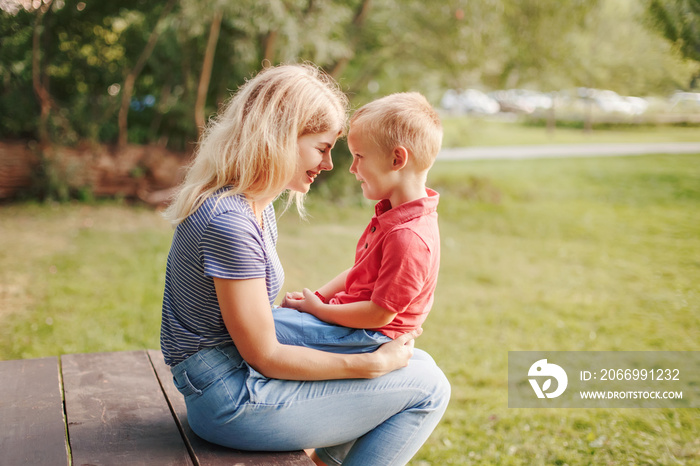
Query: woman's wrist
{"points": [[376, 364]]}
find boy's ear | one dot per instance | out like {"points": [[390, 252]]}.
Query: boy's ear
{"points": [[400, 158]]}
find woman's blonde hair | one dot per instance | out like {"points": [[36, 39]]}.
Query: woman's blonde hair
{"points": [[251, 145], [403, 119]]}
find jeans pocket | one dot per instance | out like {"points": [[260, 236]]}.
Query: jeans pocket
{"points": [[256, 384], [185, 386]]}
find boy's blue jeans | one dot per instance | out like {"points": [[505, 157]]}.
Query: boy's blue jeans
{"points": [[302, 329], [382, 421]]}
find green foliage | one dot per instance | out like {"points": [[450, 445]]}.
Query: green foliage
{"points": [[373, 47], [18, 108], [679, 22], [647, 66]]}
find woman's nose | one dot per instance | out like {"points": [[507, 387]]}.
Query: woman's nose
{"points": [[327, 162]]}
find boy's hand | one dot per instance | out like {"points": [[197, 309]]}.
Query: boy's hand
{"points": [[306, 301], [292, 298]]}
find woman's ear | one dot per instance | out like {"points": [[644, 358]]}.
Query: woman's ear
{"points": [[400, 158]]}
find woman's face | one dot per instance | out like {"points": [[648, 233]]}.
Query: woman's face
{"points": [[314, 157]]}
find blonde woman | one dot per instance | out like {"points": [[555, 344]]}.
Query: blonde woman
{"points": [[243, 389]]}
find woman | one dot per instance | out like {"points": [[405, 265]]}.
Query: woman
{"points": [[243, 389]]}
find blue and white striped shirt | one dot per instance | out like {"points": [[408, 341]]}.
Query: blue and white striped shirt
{"points": [[221, 239]]}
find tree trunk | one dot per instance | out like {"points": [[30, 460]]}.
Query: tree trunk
{"points": [[588, 116], [358, 23], [207, 66], [40, 89], [552, 116], [270, 43], [130, 80]]}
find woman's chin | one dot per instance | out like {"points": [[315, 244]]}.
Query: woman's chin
{"points": [[304, 189]]}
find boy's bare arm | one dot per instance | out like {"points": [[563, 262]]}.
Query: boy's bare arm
{"points": [[362, 314], [330, 289], [334, 286]]}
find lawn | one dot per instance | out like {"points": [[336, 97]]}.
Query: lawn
{"points": [[463, 131], [571, 254]]}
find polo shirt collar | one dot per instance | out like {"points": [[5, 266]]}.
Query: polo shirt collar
{"points": [[388, 217]]}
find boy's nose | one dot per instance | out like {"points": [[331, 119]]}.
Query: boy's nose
{"points": [[352, 166]]}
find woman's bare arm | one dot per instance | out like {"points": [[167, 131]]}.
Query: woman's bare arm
{"points": [[248, 318]]}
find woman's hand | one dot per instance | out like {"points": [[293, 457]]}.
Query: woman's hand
{"points": [[396, 354]]}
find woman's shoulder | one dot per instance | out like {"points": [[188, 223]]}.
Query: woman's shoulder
{"points": [[217, 206], [221, 202]]}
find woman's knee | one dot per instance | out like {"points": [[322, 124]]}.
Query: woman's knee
{"points": [[443, 389], [437, 384]]}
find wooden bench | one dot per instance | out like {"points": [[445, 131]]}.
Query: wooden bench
{"points": [[107, 409]]}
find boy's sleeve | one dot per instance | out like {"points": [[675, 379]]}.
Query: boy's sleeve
{"points": [[232, 248], [404, 271]]}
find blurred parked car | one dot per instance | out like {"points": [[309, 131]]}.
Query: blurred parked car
{"points": [[611, 102], [522, 100], [684, 101], [469, 101]]}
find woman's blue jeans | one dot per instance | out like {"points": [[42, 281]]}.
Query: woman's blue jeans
{"points": [[381, 421]]}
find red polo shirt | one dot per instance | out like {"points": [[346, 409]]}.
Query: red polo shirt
{"points": [[397, 262]]}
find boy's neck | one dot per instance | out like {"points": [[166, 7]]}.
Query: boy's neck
{"points": [[407, 192]]}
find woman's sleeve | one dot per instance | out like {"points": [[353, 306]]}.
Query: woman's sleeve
{"points": [[231, 248]]}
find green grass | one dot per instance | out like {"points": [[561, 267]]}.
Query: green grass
{"points": [[571, 254], [462, 132], [593, 254], [79, 278]]}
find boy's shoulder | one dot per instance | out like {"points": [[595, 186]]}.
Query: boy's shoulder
{"points": [[420, 229]]}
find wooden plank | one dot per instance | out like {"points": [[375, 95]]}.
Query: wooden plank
{"points": [[32, 426], [209, 454], [116, 412]]}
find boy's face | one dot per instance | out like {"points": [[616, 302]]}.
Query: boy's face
{"points": [[371, 165]]}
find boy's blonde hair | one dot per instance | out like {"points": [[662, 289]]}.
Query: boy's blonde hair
{"points": [[251, 145], [404, 119]]}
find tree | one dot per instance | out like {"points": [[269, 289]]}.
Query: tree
{"points": [[76, 70], [679, 22], [539, 39], [649, 65], [207, 65], [78, 53], [131, 76], [39, 78], [241, 36]]}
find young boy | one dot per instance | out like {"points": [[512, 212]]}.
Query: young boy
{"points": [[389, 290]]}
